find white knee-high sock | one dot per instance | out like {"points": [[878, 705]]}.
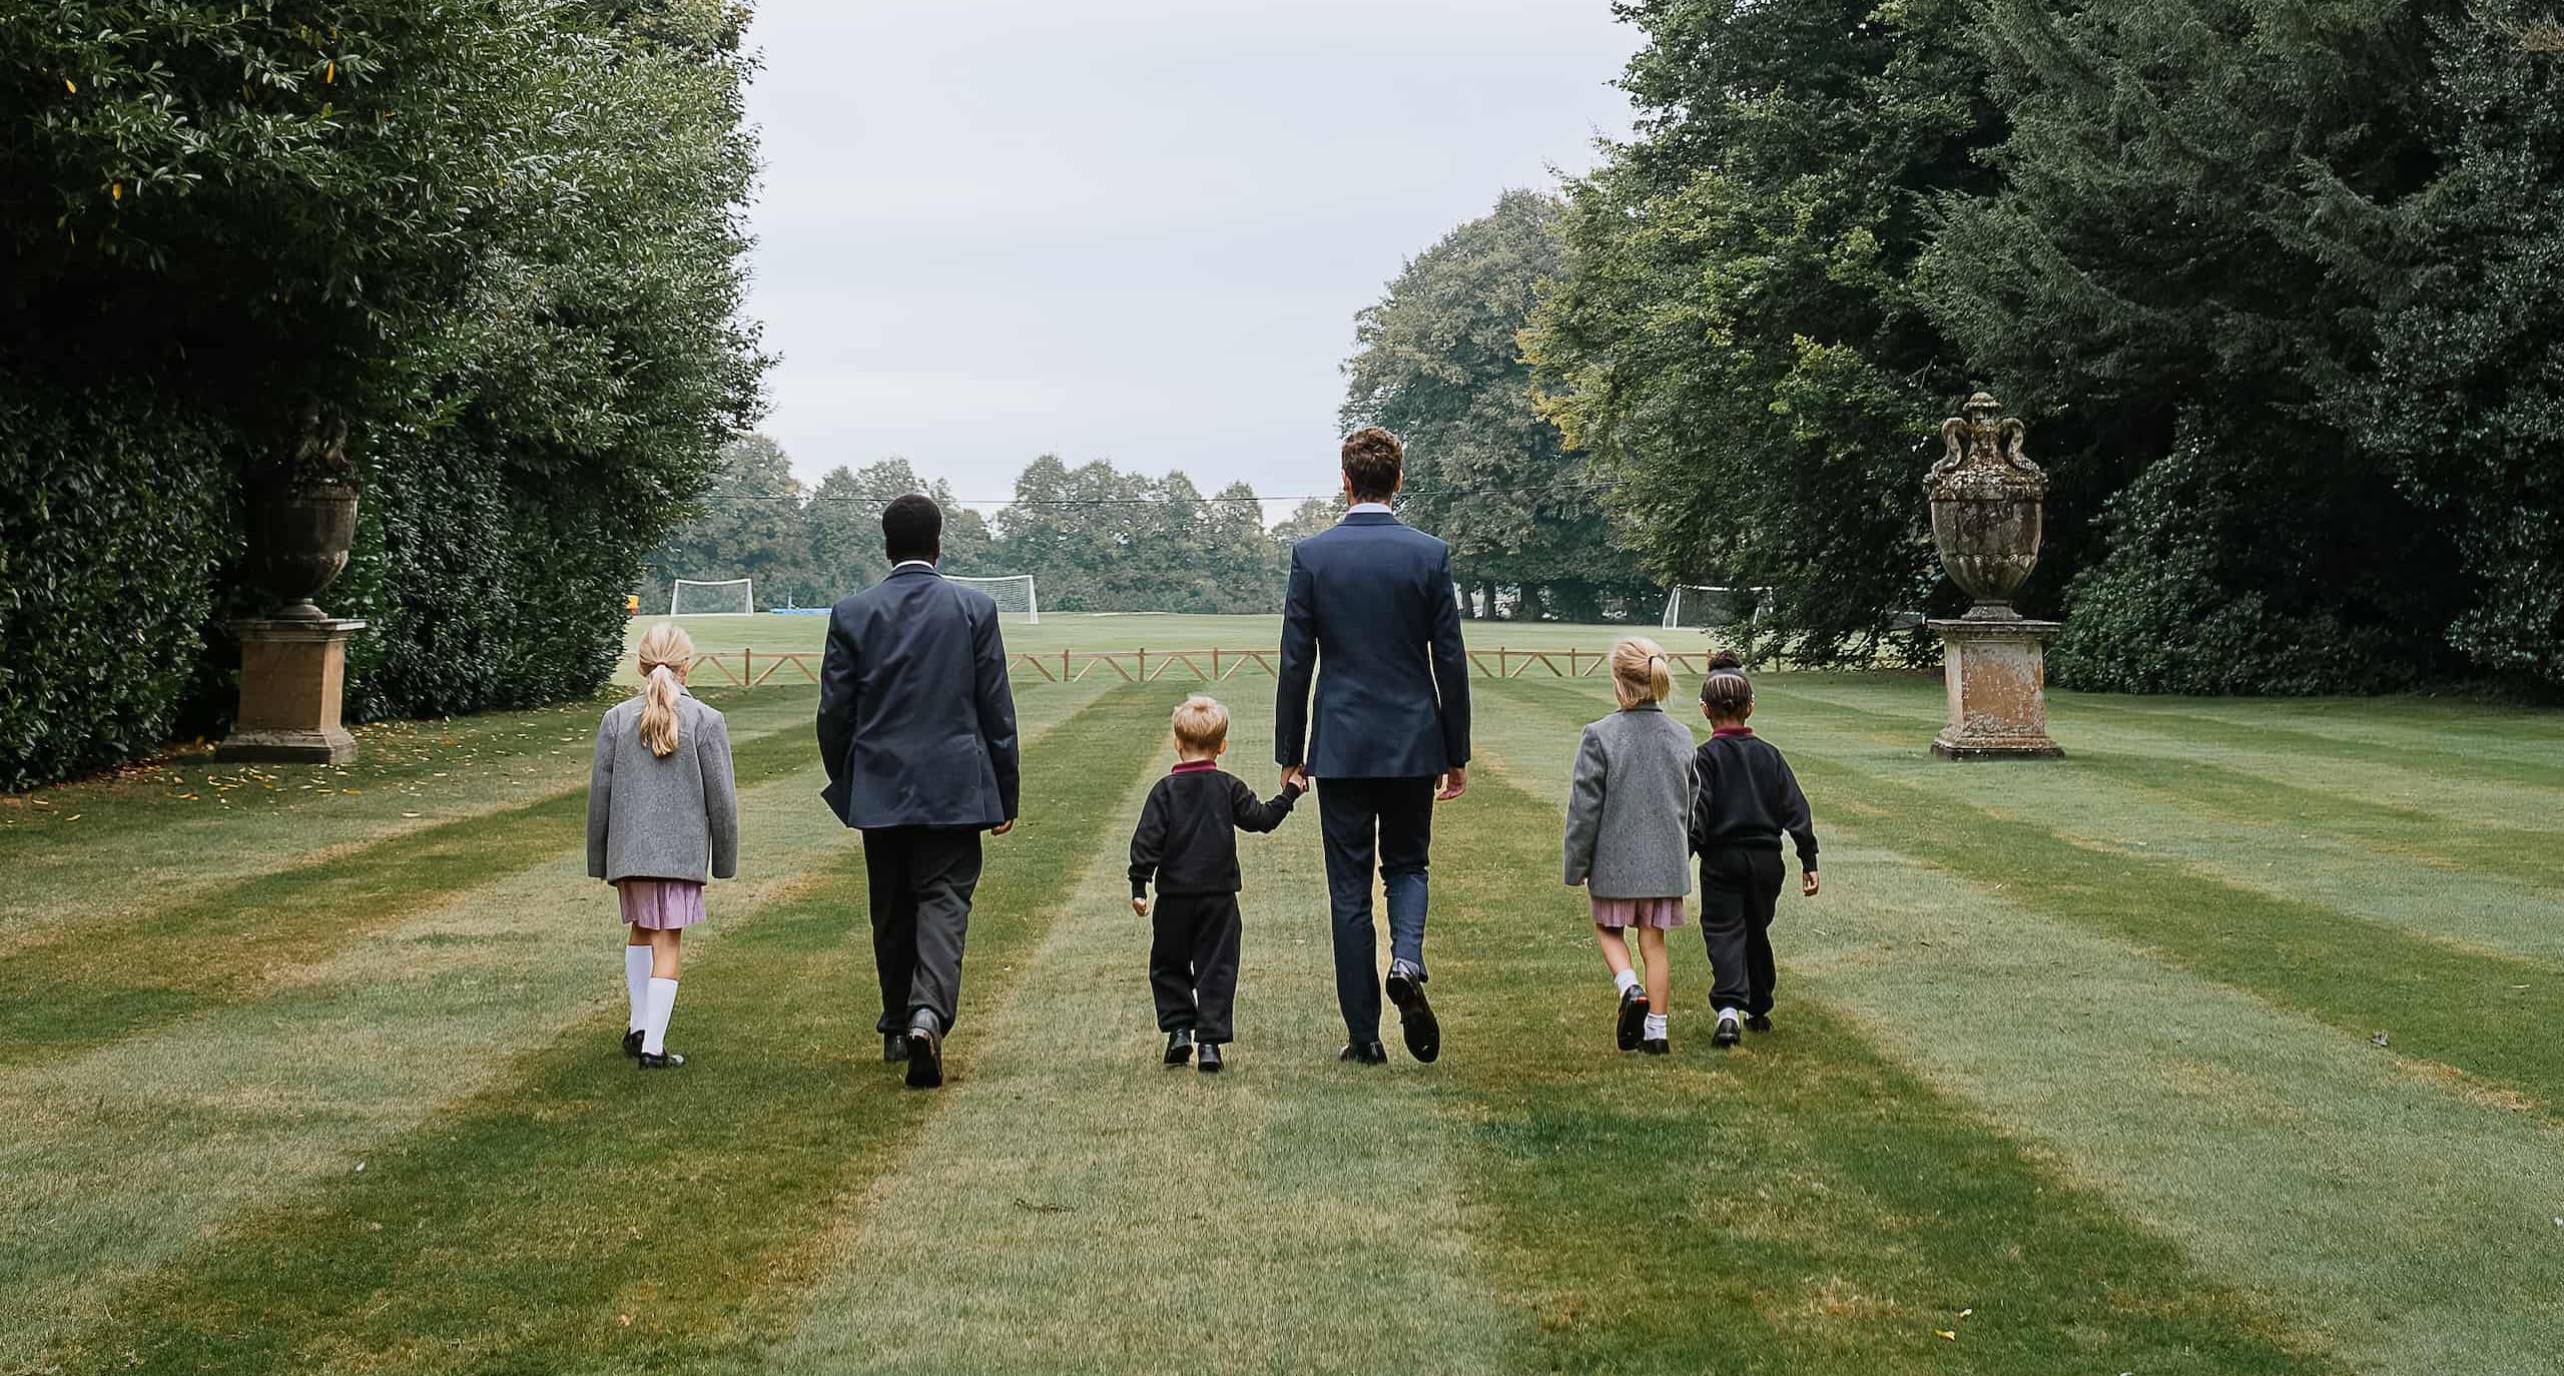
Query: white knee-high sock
{"points": [[636, 982], [654, 1030]]}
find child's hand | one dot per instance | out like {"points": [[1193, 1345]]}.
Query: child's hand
{"points": [[1807, 884], [1140, 905]]}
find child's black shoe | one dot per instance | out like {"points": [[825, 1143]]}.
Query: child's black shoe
{"points": [[1207, 1059], [1179, 1046], [1633, 1017], [632, 1042], [1760, 1022], [1657, 1046], [665, 1060], [1728, 1033]]}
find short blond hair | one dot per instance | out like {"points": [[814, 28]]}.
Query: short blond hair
{"points": [[1640, 672], [1201, 723]]}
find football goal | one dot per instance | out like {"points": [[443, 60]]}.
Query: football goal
{"points": [[1704, 608], [1014, 594], [729, 597]]}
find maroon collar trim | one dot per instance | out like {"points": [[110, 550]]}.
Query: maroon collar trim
{"points": [[1731, 731], [1195, 767]]}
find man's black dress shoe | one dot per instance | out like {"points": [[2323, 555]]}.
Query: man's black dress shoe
{"points": [[1209, 1058], [1657, 1046], [1633, 1017], [1179, 1047], [894, 1047], [665, 1060], [1416, 1021], [1760, 1022], [925, 1053], [1364, 1053], [632, 1042]]}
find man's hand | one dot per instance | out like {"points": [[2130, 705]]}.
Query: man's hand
{"points": [[1455, 781], [1807, 884], [1140, 906], [1002, 827], [1296, 778]]}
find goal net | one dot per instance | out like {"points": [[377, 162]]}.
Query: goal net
{"points": [[1712, 609], [730, 597], [1013, 593]]}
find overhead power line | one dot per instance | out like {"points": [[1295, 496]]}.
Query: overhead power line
{"points": [[1582, 488]]}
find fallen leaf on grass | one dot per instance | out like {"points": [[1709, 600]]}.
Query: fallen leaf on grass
{"points": [[1945, 1333]]}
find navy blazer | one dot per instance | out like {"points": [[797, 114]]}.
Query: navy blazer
{"points": [[916, 721], [1371, 600]]}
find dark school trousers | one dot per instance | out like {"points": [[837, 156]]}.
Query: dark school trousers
{"points": [[1368, 822], [1192, 963], [921, 881], [1739, 885]]}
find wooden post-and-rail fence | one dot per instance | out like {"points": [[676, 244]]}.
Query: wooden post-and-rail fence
{"points": [[756, 668]]}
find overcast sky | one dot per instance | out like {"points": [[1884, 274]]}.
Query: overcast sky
{"points": [[1128, 229]]}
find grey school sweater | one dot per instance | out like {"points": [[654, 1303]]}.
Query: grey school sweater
{"points": [[1629, 806], [650, 818]]}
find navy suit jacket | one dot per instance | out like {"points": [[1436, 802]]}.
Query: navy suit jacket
{"points": [[916, 721], [1372, 615]]}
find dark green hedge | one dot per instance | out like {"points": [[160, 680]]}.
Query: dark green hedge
{"points": [[114, 517]]}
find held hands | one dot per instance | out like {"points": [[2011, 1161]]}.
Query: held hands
{"points": [[1455, 781], [1296, 778], [1807, 884], [1140, 906]]}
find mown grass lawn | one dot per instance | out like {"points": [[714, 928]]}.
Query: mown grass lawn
{"points": [[2077, 1070]]}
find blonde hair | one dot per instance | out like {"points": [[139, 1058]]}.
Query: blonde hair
{"points": [[666, 652], [1640, 672], [1201, 723]]}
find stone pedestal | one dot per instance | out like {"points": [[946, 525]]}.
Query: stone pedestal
{"points": [[293, 672], [1996, 671]]}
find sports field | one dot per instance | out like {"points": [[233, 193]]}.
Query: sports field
{"points": [[2228, 1044]]}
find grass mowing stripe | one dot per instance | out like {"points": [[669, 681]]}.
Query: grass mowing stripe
{"points": [[583, 1215], [2544, 772], [1802, 1205], [1079, 1207], [2489, 1015], [87, 983], [2397, 1212]]}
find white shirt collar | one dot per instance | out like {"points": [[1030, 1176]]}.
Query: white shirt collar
{"points": [[1358, 508], [926, 564]]}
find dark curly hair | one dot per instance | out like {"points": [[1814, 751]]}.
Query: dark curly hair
{"points": [[1727, 693], [1373, 460]]}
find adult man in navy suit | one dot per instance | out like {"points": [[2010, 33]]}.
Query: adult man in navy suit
{"points": [[1371, 601], [917, 726]]}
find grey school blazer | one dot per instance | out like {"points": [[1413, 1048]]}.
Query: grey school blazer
{"points": [[1629, 806], [650, 818]]}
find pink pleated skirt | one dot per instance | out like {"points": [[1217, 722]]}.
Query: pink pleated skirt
{"points": [[659, 905], [1638, 912]]}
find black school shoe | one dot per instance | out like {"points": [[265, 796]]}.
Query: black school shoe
{"points": [[1658, 1046], [665, 1060], [1364, 1053], [1208, 1061], [1633, 1017], [1179, 1047], [1760, 1022], [1726, 1035], [632, 1042], [1422, 1030]]}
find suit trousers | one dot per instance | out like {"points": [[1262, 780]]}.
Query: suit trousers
{"points": [[1739, 885], [1192, 963], [922, 879], [1368, 822]]}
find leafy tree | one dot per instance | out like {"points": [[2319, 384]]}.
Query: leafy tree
{"points": [[1735, 340], [2171, 263], [1436, 361]]}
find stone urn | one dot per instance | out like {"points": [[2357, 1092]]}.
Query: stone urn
{"points": [[1986, 502], [300, 536]]}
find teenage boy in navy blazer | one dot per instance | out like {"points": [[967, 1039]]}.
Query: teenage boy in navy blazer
{"points": [[1372, 616], [917, 727]]}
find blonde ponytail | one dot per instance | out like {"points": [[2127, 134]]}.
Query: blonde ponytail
{"points": [[1641, 672], [666, 652]]}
